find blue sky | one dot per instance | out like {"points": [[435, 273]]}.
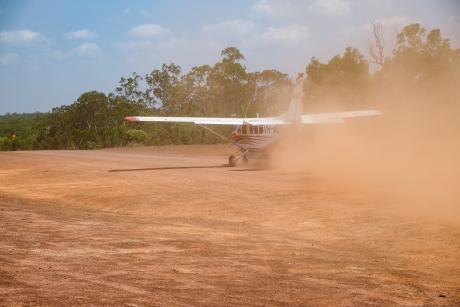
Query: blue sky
{"points": [[52, 51]]}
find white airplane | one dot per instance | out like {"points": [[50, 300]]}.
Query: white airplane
{"points": [[256, 134]]}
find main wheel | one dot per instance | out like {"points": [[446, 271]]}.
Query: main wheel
{"points": [[231, 161], [245, 159]]}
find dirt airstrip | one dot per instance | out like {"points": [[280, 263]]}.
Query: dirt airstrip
{"points": [[172, 226]]}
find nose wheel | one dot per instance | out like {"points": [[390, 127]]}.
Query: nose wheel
{"points": [[232, 159]]}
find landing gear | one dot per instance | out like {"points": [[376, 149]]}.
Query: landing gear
{"points": [[245, 158], [231, 161]]}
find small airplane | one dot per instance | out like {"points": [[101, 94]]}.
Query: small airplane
{"points": [[257, 134]]}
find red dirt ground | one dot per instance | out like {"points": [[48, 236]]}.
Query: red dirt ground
{"points": [[172, 226]]}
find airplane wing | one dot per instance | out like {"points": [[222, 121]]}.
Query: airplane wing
{"points": [[339, 117], [208, 120], [320, 118]]}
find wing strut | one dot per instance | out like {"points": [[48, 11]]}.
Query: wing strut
{"points": [[220, 135]]}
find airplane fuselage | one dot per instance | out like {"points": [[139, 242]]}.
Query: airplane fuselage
{"points": [[255, 137]]}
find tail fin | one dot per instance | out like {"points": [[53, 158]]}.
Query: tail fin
{"points": [[294, 112]]}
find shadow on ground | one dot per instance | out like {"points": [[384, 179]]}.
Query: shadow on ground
{"points": [[166, 168], [186, 167]]}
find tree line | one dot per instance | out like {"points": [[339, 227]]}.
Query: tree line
{"points": [[418, 60]]}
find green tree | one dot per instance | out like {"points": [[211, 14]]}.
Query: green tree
{"points": [[229, 83], [164, 89], [344, 78], [421, 56], [198, 95], [270, 92], [128, 88]]}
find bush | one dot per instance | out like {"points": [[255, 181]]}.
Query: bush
{"points": [[90, 145], [4, 143], [136, 136]]}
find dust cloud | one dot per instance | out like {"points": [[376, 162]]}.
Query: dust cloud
{"points": [[410, 153]]}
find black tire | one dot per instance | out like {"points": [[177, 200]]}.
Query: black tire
{"points": [[231, 161]]}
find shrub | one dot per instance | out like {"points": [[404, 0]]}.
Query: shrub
{"points": [[136, 136]]}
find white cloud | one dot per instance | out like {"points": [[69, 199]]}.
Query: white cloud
{"points": [[59, 54], [86, 49], [330, 7], [145, 13], [276, 8], [236, 27], [148, 37], [83, 50], [81, 34], [149, 31], [21, 37], [290, 35], [263, 6], [398, 20], [390, 25], [9, 58], [379, 5], [146, 44]]}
